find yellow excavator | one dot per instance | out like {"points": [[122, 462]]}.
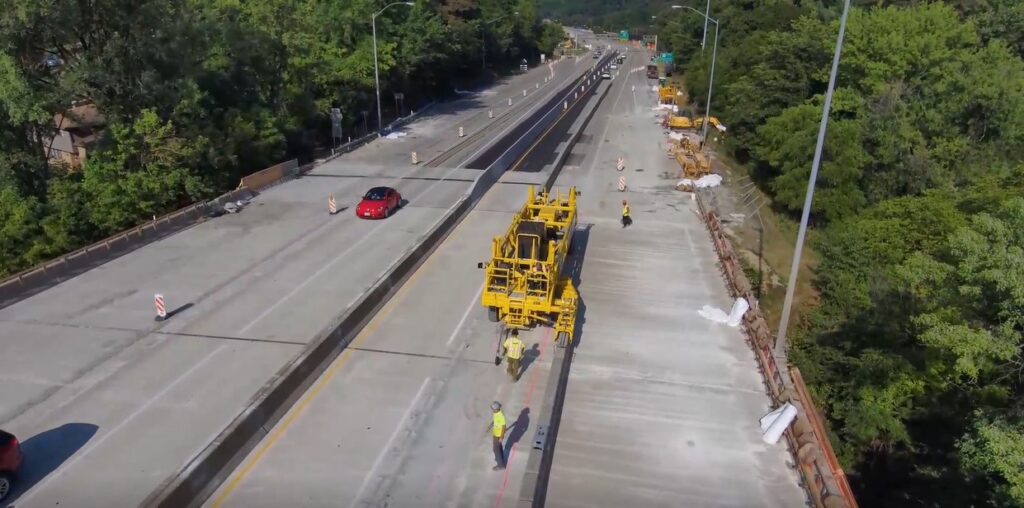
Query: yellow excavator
{"points": [[524, 282]]}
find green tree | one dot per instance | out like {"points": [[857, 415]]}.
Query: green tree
{"points": [[145, 171]]}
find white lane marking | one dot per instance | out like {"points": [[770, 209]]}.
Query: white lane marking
{"points": [[530, 110], [600, 145], [23, 499], [38, 486], [394, 435], [472, 305], [298, 288], [369, 234]]}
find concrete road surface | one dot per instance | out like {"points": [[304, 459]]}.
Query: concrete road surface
{"points": [[402, 416], [662, 406], [110, 403]]}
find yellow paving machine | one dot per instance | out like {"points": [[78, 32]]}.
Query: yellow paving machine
{"points": [[525, 284]]}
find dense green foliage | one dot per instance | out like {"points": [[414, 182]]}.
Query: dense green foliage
{"points": [[196, 93], [914, 349]]}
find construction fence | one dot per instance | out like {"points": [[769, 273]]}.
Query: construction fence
{"points": [[822, 477]]}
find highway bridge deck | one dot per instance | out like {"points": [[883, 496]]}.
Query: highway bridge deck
{"points": [[661, 406], [110, 403]]}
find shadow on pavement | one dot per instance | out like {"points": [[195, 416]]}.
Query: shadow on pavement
{"points": [[46, 451], [574, 269], [519, 428], [529, 356]]}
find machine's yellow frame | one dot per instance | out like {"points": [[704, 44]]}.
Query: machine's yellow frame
{"points": [[524, 283]]}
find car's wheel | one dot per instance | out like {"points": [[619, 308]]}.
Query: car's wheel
{"points": [[6, 483], [387, 212]]}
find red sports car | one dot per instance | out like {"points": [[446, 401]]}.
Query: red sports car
{"points": [[10, 461], [378, 203]]}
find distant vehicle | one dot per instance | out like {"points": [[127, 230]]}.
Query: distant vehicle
{"points": [[597, 55], [379, 203], [605, 75], [652, 71], [614, 67], [10, 461]]}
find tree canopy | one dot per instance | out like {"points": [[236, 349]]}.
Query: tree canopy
{"points": [[195, 93], [914, 348]]}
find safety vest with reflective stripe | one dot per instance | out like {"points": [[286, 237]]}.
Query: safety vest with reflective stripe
{"points": [[499, 424], [514, 348]]}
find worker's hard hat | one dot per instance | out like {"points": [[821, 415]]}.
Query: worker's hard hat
{"points": [[496, 406]]}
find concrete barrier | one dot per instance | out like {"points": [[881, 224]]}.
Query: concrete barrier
{"points": [[205, 473], [360, 141], [573, 139], [28, 282], [823, 478], [270, 176], [50, 273]]}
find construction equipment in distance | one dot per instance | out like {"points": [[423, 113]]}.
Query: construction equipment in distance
{"points": [[693, 163], [524, 282], [666, 95]]}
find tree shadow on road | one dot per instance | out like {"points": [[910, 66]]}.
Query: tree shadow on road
{"points": [[45, 452], [519, 428]]}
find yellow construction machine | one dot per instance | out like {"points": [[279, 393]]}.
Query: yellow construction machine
{"points": [[679, 122], [524, 282], [666, 95], [693, 163]]}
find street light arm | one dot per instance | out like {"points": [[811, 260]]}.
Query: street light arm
{"points": [[378, 13], [503, 16], [705, 16], [376, 70]]}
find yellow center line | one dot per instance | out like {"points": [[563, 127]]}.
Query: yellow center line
{"points": [[299, 408]]}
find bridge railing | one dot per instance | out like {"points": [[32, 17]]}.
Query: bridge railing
{"points": [[822, 477]]}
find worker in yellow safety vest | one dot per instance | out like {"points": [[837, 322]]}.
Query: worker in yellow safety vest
{"points": [[626, 219], [514, 354], [498, 434]]}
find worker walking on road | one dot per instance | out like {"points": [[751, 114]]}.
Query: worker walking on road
{"points": [[514, 354], [498, 434], [626, 219]]}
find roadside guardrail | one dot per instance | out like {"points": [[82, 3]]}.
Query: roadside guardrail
{"points": [[823, 478]]}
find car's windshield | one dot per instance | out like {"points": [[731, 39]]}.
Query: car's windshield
{"points": [[375, 194]]}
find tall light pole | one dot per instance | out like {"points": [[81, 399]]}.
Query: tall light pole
{"points": [[711, 77], [787, 305], [376, 72], [483, 37], [707, 14]]}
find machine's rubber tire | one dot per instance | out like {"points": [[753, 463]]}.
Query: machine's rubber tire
{"points": [[562, 341], [492, 314]]}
